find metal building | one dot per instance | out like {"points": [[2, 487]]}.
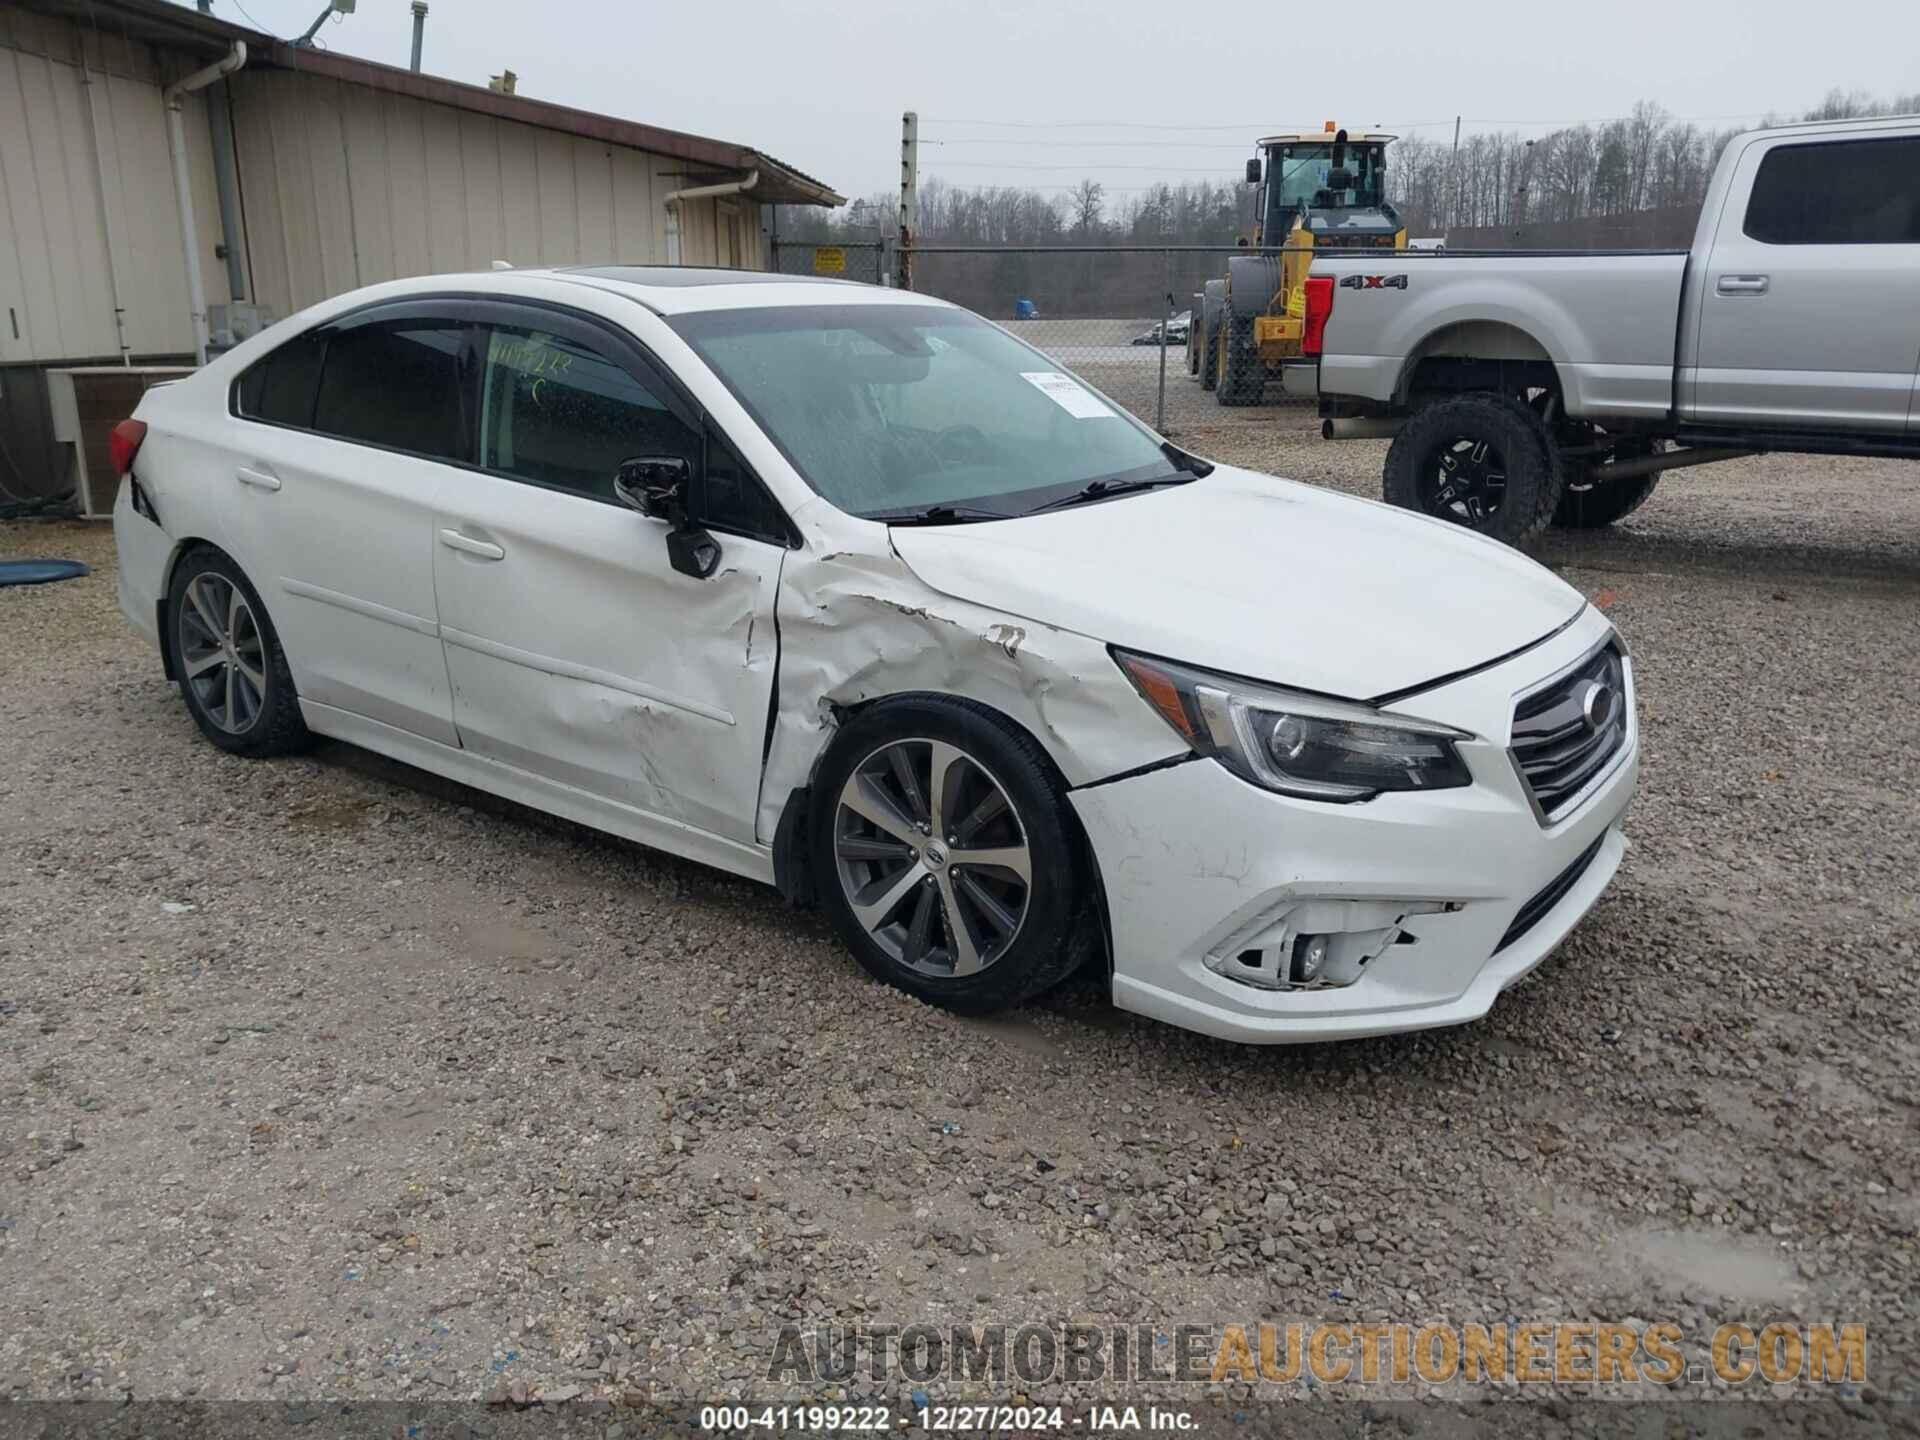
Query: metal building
{"points": [[304, 173]]}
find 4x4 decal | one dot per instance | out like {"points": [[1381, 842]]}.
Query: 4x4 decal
{"points": [[1373, 282]]}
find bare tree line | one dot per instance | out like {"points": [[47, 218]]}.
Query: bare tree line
{"points": [[1642, 162]]}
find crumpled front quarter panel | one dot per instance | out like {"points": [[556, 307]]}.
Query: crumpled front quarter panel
{"points": [[858, 627]]}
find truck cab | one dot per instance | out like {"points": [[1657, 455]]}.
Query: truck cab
{"points": [[1332, 183]]}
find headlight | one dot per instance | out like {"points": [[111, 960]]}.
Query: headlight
{"points": [[1298, 744]]}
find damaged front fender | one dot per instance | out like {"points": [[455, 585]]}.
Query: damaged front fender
{"points": [[856, 627]]}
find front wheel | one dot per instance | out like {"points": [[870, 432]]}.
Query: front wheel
{"points": [[942, 853], [1481, 460]]}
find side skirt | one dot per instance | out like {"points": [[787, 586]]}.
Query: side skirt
{"points": [[657, 832]]}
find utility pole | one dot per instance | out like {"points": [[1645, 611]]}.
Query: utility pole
{"points": [[909, 193], [1453, 178]]}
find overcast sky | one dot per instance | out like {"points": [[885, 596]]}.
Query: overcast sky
{"points": [[821, 83]]}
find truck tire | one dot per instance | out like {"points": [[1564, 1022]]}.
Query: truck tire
{"points": [[1588, 504], [1480, 460], [1243, 376], [1213, 306], [1193, 333]]}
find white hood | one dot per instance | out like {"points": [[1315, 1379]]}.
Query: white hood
{"points": [[1258, 577]]}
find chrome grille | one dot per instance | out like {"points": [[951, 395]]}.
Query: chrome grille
{"points": [[1566, 734]]}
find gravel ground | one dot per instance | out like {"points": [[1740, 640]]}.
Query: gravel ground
{"points": [[323, 1078]]}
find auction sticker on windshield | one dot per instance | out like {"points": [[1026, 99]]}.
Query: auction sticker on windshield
{"points": [[1068, 393]]}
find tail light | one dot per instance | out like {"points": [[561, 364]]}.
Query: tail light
{"points": [[123, 443], [1313, 334]]}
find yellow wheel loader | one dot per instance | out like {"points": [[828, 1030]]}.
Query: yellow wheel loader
{"points": [[1324, 189]]}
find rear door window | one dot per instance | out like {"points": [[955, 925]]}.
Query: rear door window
{"points": [[395, 382], [1838, 192]]}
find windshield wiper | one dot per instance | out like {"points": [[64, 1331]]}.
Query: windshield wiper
{"points": [[1185, 460], [1102, 489], [938, 515]]}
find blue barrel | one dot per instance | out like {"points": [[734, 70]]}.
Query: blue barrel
{"points": [[1023, 310]]}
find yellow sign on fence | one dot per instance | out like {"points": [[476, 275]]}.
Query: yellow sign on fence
{"points": [[829, 260]]}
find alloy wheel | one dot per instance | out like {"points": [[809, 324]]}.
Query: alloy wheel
{"points": [[932, 857], [1464, 480], [222, 655]]}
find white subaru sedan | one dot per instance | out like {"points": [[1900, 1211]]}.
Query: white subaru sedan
{"points": [[851, 592]]}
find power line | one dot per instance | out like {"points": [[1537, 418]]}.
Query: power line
{"points": [[1077, 165], [1268, 127]]}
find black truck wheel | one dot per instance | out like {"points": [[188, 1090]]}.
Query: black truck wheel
{"points": [[1590, 504], [1243, 377], [1213, 302], [1480, 460]]}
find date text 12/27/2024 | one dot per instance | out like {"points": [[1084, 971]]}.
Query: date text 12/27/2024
{"points": [[944, 1419]]}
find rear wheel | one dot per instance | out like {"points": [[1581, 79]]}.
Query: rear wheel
{"points": [[1243, 376], [1592, 504], [1193, 334], [1484, 461], [943, 856], [232, 671], [1213, 307]]}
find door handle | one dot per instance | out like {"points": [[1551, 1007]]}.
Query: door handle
{"points": [[1741, 285], [258, 479], [467, 545]]}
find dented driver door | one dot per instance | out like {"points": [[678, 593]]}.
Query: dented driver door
{"points": [[576, 652]]}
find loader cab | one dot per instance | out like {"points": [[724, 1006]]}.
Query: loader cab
{"points": [[1335, 182]]}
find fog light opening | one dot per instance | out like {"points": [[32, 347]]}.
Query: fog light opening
{"points": [[1319, 944], [1309, 959]]}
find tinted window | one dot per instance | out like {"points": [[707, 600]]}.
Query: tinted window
{"points": [[1846, 192], [280, 386], [734, 499], [558, 413], [394, 383]]}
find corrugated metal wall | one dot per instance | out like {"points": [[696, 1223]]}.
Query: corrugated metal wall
{"points": [[83, 157], [344, 186]]}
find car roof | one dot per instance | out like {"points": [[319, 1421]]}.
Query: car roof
{"points": [[680, 289]]}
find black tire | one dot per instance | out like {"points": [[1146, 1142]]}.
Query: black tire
{"points": [[1588, 504], [1504, 479], [256, 718], [1055, 930], [1213, 308], [1194, 317], [1243, 376]]}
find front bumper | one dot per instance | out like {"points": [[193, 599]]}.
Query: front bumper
{"points": [[1195, 861]]}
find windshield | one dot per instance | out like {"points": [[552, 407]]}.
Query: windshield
{"points": [[1299, 176], [886, 409]]}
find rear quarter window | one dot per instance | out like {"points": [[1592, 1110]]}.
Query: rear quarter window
{"points": [[279, 388], [1838, 192]]}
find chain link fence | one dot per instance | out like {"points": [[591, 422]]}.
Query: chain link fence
{"points": [[1128, 320], [867, 261]]}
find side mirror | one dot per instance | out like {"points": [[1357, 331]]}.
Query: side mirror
{"points": [[1253, 171], [1339, 156], [655, 485], [693, 552]]}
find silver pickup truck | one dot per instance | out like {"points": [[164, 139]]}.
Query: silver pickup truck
{"points": [[1528, 387]]}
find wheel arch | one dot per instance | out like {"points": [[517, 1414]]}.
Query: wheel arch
{"points": [[1476, 355], [792, 858], [182, 548]]}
